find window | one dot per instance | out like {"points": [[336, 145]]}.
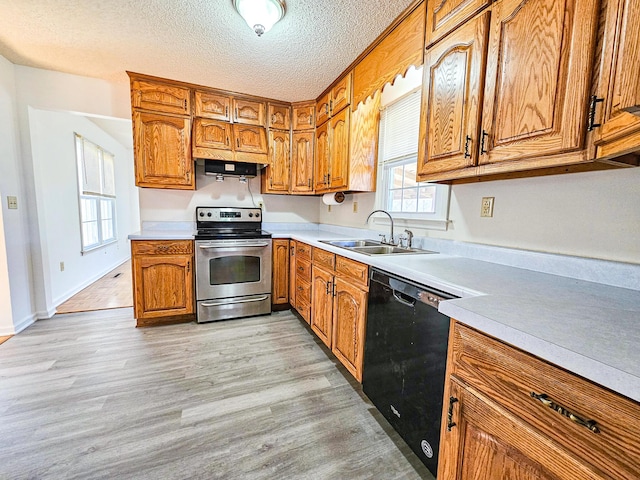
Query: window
{"points": [[419, 204], [96, 181]]}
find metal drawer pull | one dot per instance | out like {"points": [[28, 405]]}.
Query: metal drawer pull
{"points": [[208, 247], [450, 422], [544, 398], [218, 304]]}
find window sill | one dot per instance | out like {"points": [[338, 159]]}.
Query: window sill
{"points": [[427, 224], [97, 247]]}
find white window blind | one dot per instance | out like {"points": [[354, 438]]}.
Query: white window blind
{"points": [[96, 183], [399, 128]]}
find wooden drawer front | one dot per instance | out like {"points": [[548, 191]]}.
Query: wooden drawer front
{"points": [[324, 258], [303, 269], [303, 251], [354, 270], [509, 376], [303, 292], [161, 247]]}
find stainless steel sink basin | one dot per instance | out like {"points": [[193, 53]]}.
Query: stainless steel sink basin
{"points": [[373, 247], [351, 243]]}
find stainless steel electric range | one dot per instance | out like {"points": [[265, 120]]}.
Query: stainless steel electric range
{"points": [[233, 263]]}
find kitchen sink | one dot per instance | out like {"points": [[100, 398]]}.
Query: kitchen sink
{"points": [[373, 247]]}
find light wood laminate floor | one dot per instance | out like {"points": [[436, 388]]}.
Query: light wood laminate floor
{"points": [[114, 290], [89, 396]]}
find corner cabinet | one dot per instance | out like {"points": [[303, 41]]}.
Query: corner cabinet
{"points": [[509, 414], [163, 281]]}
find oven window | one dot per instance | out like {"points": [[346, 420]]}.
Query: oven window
{"points": [[234, 269]]}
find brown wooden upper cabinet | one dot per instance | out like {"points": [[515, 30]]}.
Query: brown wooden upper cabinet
{"points": [[332, 153], [533, 93], [304, 116], [215, 106], [302, 162], [334, 100], [249, 112], [444, 16], [616, 104], [279, 116], [160, 97], [276, 177], [224, 141]]}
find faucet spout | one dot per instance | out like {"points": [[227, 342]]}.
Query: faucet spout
{"points": [[391, 240]]}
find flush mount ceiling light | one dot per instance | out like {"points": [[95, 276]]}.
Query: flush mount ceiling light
{"points": [[260, 15]]}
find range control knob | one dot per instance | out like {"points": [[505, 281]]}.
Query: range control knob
{"points": [[208, 214], [202, 214], [257, 215], [251, 215]]}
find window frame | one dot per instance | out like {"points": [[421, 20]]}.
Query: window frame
{"points": [[438, 220], [96, 198]]}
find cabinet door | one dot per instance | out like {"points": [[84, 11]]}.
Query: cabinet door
{"points": [[321, 168], [162, 151], [302, 163], [303, 116], [443, 16], [249, 139], [339, 155], [451, 101], [163, 286], [619, 86], [249, 112], [322, 304], [341, 94], [278, 171], [349, 313], [487, 442], [215, 106], [323, 109], [279, 116], [280, 272], [211, 134], [159, 97], [538, 78]]}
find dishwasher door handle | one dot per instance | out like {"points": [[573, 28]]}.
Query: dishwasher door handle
{"points": [[409, 303]]}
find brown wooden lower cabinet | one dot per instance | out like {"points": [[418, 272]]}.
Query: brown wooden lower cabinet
{"points": [[163, 286], [280, 272], [508, 414]]}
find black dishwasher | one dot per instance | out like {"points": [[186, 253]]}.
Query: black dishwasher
{"points": [[405, 359]]}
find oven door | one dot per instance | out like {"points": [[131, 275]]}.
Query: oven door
{"points": [[232, 268]]}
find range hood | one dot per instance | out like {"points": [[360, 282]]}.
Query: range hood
{"points": [[229, 168]]}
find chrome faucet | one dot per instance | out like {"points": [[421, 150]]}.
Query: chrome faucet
{"points": [[384, 240]]}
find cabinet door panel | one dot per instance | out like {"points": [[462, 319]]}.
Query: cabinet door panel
{"points": [[278, 170], [249, 112], [280, 272], [341, 94], [538, 74], [443, 16], [249, 139], [322, 158], [302, 163], [211, 134], [349, 313], [160, 98], [450, 111], [303, 117], [618, 85], [322, 304], [339, 154], [162, 151], [163, 286], [213, 105], [487, 443], [279, 116], [323, 109]]}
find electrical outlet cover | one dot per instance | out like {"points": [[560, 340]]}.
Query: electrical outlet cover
{"points": [[487, 207]]}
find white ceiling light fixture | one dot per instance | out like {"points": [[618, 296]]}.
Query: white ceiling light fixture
{"points": [[260, 15]]}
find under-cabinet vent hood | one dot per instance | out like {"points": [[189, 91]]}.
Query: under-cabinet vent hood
{"points": [[224, 167]]}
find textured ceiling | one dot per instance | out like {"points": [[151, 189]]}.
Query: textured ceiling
{"points": [[197, 41]]}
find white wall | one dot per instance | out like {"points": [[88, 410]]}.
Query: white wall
{"points": [[55, 178], [16, 266], [179, 205], [25, 90]]}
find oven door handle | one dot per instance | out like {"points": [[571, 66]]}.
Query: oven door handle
{"points": [[207, 247], [218, 304]]}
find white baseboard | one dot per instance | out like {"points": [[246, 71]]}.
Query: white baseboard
{"points": [[20, 326]]}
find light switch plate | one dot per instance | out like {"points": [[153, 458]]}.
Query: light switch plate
{"points": [[12, 202]]}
